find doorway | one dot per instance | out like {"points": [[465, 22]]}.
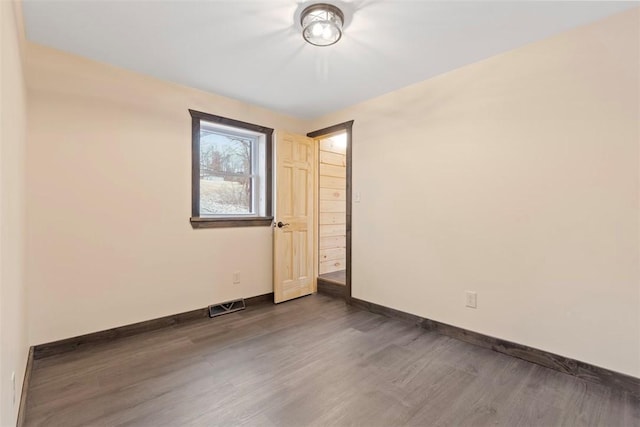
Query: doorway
{"points": [[333, 201]]}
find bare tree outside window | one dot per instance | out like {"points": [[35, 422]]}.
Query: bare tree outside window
{"points": [[226, 176]]}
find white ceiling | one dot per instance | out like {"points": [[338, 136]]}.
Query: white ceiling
{"points": [[253, 50]]}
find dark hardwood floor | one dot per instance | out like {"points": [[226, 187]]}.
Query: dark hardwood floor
{"points": [[311, 361]]}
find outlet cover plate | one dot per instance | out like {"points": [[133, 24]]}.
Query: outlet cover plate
{"points": [[471, 299]]}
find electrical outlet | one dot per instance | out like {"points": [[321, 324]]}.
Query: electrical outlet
{"points": [[13, 387], [471, 299], [236, 277]]}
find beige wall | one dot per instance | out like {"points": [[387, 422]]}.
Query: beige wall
{"points": [[516, 177], [13, 330], [109, 200]]}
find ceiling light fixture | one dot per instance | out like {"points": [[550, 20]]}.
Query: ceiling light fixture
{"points": [[322, 24]]}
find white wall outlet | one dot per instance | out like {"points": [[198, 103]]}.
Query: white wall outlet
{"points": [[13, 387], [236, 277], [471, 299], [356, 197]]}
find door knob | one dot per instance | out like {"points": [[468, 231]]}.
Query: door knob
{"points": [[281, 224]]}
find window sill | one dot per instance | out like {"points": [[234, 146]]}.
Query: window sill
{"points": [[200, 222]]}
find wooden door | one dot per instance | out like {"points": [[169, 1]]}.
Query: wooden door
{"points": [[293, 254]]}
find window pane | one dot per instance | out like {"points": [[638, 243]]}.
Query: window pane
{"points": [[225, 174]]}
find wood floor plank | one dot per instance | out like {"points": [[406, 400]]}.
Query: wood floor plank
{"points": [[313, 361]]}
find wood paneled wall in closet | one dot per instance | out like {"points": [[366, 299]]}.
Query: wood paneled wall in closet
{"points": [[332, 206]]}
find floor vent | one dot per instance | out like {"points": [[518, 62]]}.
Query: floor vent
{"points": [[226, 307]]}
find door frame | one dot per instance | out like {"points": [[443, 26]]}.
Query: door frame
{"points": [[348, 128]]}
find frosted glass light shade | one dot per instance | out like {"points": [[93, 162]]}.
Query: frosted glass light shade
{"points": [[322, 24]]}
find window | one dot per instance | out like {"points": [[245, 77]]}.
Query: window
{"points": [[231, 176]]}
